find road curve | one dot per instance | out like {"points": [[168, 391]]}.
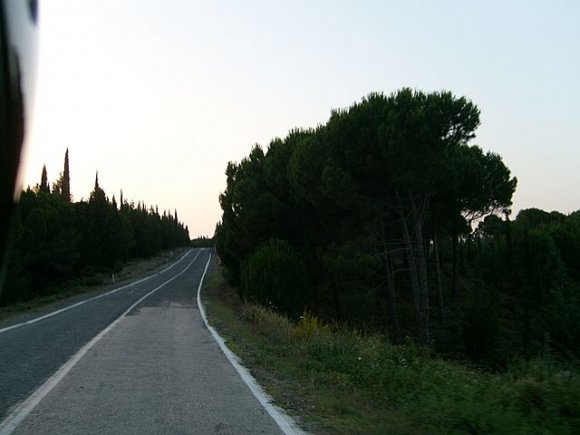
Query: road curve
{"points": [[137, 361]]}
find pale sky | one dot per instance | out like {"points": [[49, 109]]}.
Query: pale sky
{"points": [[159, 95]]}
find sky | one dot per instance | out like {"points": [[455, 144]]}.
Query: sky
{"points": [[157, 96]]}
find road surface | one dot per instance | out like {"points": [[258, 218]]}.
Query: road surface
{"points": [[135, 361]]}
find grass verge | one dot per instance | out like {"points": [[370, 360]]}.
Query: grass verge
{"points": [[339, 381], [93, 283]]}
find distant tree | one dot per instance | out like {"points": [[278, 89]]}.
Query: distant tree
{"points": [[104, 244], [49, 238], [533, 217], [65, 185], [57, 239], [43, 187], [202, 242], [62, 185]]}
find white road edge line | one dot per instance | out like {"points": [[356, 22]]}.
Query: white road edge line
{"points": [[22, 410], [283, 420], [70, 307]]}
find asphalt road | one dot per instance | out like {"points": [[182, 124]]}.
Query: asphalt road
{"points": [[136, 367]]}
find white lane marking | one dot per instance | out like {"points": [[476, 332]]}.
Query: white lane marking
{"points": [[94, 298], [284, 421], [11, 422]]}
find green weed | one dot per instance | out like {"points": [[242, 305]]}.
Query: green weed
{"points": [[338, 380]]}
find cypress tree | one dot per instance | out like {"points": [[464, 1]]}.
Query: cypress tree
{"points": [[44, 181], [65, 187]]}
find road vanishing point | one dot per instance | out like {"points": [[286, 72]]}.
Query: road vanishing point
{"points": [[136, 360]]}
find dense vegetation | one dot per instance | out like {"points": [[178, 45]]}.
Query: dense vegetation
{"points": [[338, 380], [56, 239], [202, 242], [388, 218]]}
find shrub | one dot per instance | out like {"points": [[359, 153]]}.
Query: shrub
{"points": [[274, 276], [307, 326]]}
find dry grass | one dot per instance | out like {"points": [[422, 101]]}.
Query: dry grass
{"points": [[341, 381]]}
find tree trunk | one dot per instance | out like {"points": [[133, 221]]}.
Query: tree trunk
{"points": [[423, 278], [508, 240], [390, 294], [440, 296], [455, 273], [526, 290], [412, 267]]}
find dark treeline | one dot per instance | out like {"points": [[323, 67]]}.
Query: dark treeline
{"points": [[202, 242], [369, 220], [56, 239]]}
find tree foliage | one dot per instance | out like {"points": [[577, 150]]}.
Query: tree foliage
{"points": [[274, 275], [56, 239], [380, 203]]}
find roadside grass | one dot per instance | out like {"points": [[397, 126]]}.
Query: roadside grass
{"points": [[340, 381], [92, 283]]}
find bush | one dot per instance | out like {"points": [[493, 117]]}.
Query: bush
{"points": [[274, 276], [307, 326], [343, 380]]}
